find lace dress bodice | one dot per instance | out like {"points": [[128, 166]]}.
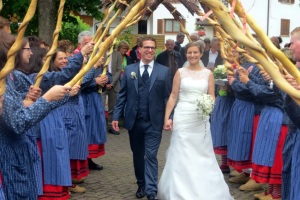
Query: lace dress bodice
{"points": [[193, 83]]}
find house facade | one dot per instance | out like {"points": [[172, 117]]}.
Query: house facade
{"points": [[275, 17]]}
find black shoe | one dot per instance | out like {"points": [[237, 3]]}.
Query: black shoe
{"points": [[140, 193], [152, 197], [94, 166], [112, 131]]}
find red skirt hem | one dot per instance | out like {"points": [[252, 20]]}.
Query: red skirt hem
{"points": [[96, 150], [79, 169], [272, 175], [220, 150], [246, 164], [56, 192], [52, 192]]}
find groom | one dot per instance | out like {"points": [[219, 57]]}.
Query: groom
{"points": [[145, 88]]}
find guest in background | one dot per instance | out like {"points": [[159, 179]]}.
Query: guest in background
{"points": [[170, 58], [179, 40], [212, 58], [134, 52], [123, 47], [5, 25]]}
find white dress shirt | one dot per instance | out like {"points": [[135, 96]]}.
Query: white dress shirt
{"points": [[150, 68]]}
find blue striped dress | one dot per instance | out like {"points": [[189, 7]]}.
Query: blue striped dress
{"points": [[16, 164], [94, 112], [241, 118], [291, 168], [220, 120]]}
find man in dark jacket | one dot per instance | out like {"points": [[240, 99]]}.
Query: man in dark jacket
{"points": [[170, 58]]}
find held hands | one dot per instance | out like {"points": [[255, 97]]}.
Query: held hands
{"points": [[115, 125], [266, 76], [101, 80], [74, 91], [292, 81], [243, 75], [168, 126], [87, 49], [109, 86], [230, 79], [56, 93], [34, 93], [99, 62]]}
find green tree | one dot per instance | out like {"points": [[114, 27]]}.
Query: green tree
{"points": [[44, 21], [70, 29]]}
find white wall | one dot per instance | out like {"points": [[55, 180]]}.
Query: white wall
{"points": [[162, 13]]}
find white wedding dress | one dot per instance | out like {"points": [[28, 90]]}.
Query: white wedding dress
{"points": [[191, 171]]}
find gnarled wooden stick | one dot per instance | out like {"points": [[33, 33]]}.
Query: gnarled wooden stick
{"points": [[268, 44], [109, 55], [99, 29], [105, 45], [10, 64], [178, 17], [256, 51], [53, 47]]}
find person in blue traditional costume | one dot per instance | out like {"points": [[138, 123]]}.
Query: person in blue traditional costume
{"points": [[219, 120], [94, 109], [291, 161], [270, 136], [73, 114], [55, 152], [16, 166], [243, 121]]}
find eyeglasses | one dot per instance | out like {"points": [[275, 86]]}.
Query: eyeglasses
{"points": [[28, 49], [148, 48]]}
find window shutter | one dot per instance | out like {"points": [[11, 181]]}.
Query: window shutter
{"points": [[160, 26], [285, 27]]}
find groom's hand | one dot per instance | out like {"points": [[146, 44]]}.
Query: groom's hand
{"points": [[115, 125]]}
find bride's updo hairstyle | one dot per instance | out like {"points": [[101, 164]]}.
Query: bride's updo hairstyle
{"points": [[195, 44]]}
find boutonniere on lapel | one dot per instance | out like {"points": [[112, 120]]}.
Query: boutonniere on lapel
{"points": [[133, 75]]}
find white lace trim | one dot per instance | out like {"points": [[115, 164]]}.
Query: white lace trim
{"points": [[198, 75]]}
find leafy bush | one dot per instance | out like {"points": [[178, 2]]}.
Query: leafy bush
{"points": [[72, 28]]}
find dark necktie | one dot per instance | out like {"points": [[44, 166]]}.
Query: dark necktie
{"points": [[145, 75]]}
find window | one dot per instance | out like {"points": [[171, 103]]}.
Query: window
{"points": [[168, 26], [285, 27], [287, 1], [142, 27], [171, 26]]}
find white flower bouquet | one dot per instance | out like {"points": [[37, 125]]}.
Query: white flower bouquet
{"points": [[205, 105], [220, 72], [220, 75]]}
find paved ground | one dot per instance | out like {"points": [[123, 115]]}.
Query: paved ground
{"points": [[116, 181]]}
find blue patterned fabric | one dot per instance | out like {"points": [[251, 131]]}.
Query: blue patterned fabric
{"points": [[2, 197], [220, 121], [55, 148], [94, 111], [73, 115], [267, 136], [16, 164], [240, 130], [291, 167]]}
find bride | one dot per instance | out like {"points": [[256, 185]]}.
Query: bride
{"points": [[191, 171]]}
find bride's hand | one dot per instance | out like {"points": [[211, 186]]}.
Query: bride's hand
{"points": [[168, 125]]}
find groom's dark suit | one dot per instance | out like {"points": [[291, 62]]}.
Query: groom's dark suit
{"points": [[144, 118]]}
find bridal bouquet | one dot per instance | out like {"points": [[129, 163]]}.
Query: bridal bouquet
{"points": [[205, 105], [220, 72]]}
